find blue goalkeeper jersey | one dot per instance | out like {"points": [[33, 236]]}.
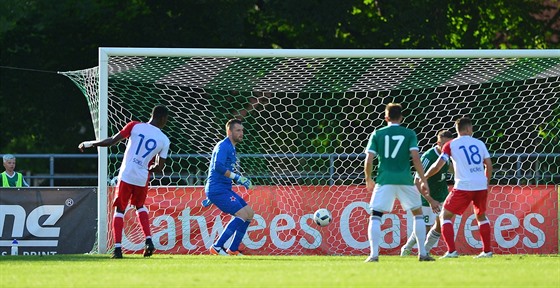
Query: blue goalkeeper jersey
{"points": [[223, 158]]}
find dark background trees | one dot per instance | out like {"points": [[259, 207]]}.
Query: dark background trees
{"points": [[43, 112]]}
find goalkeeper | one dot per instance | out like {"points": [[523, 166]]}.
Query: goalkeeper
{"points": [[219, 190]]}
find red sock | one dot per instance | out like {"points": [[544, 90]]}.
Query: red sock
{"points": [[484, 229], [448, 235], [118, 223], [142, 214]]}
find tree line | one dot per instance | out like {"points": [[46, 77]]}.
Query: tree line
{"points": [[43, 112]]}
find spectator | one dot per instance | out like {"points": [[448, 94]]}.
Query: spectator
{"points": [[10, 178]]}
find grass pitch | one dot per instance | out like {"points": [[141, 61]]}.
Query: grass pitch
{"points": [[277, 271]]}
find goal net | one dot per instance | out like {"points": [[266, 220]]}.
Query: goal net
{"points": [[307, 116]]}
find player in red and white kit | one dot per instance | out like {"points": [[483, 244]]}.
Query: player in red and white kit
{"points": [[145, 152], [473, 170]]}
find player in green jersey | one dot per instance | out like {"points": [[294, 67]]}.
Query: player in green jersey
{"points": [[393, 146], [438, 191]]}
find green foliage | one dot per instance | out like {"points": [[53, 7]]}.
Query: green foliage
{"points": [[44, 113]]}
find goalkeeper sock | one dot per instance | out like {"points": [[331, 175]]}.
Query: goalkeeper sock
{"points": [[448, 235], [142, 215], [228, 231], [239, 234], [484, 228], [118, 223]]}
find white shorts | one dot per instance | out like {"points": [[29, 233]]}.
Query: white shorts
{"points": [[383, 197], [429, 216]]}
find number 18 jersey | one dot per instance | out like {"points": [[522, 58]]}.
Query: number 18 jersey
{"points": [[468, 156], [144, 143], [392, 145]]}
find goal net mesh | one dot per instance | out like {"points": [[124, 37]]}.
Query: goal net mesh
{"points": [[307, 121]]}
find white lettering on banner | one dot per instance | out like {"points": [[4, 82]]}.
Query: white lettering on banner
{"points": [[499, 227], [166, 238], [313, 232], [169, 223], [31, 222], [33, 253], [55, 213], [186, 228], [129, 244], [394, 229], [19, 219], [471, 225], [541, 237], [274, 228], [41, 253], [345, 225], [261, 225]]}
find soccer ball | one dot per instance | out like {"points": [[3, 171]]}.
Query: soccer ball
{"points": [[322, 217]]}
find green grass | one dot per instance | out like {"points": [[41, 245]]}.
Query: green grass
{"points": [[277, 271]]}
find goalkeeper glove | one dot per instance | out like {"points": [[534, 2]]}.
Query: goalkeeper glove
{"points": [[241, 180]]}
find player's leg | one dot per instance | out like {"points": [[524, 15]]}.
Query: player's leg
{"points": [[448, 233], [429, 220], [247, 214], [433, 235], [374, 235], [479, 207], [410, 199], [406, 249], [419, 230], [138, 198], [120, 202], [382, 200], [228, 203], [455, 203]]}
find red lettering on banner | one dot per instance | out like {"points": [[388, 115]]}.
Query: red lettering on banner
{"points": [[524, 220]]}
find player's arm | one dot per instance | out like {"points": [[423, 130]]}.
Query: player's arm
{"points": [[423, 180], [102, 143], [221, 168], [220, 163], [418, 165], [488, 164], [435, 168], [158, 164], [368, 169], [159, 160]]}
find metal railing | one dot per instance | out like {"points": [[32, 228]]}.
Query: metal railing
{"points": [[516, 167]]}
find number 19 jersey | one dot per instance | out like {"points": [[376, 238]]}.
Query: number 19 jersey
{"points": [[392, 145], [144, 143]]}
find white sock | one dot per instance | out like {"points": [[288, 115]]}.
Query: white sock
{"points": [[410, 242], [420, 231], [432, 240], [374, 235]]}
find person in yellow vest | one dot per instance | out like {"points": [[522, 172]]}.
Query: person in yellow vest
{"points": [[10, 178]]}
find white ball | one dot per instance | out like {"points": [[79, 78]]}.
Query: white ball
{"points": [[322, 217]]}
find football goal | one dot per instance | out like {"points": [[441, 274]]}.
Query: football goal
{"points": [[307, 116]]}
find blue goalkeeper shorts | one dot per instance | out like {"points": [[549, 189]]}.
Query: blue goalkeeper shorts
{"points": [[228, 201]]}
